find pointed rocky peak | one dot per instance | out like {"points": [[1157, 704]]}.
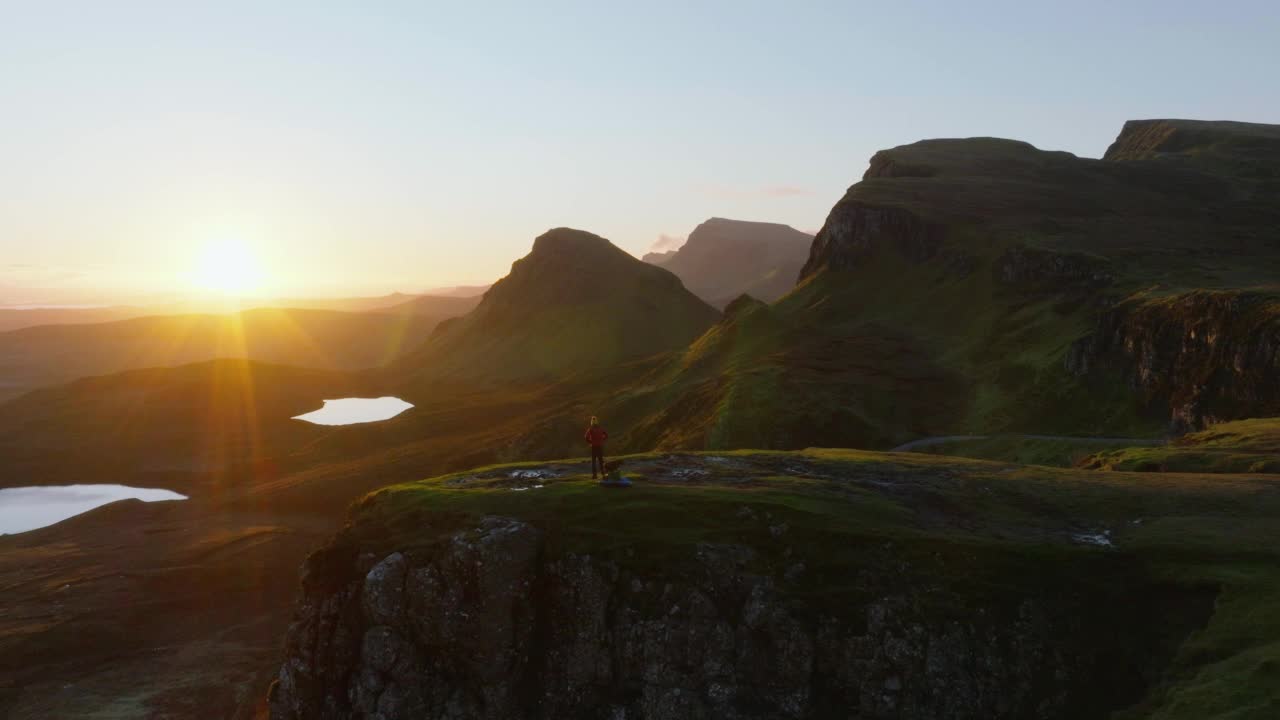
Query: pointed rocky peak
{"points": [[568, 266], [575, 302], [563, 241]]}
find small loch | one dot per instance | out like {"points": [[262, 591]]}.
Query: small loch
{"points": [[354, 411], [29, 508]]}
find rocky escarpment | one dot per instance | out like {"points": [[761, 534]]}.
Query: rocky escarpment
{"points": [[1024, 266], [855, 231], [1200, 357], [1165, 138], [498, 622]]}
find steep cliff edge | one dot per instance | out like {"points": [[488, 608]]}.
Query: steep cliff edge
{"points": [[770, 585], [1244, 151], [1206, 356]]}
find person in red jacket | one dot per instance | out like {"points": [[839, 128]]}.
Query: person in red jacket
{"points": [[596, 436]]}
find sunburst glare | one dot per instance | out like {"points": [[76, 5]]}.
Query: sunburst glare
{"points": [[229, 267]]}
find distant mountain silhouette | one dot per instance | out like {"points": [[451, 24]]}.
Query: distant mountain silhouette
{"points": [[460, 291], [46, 355], [575, 302], [11, 319], [437, 306], [343, 304], [723, 259], [658, 258]]}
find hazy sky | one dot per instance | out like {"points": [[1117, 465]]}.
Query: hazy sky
{"points": [[368, 147]]}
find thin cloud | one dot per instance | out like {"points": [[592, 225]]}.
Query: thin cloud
{"points": [[666, 243]]}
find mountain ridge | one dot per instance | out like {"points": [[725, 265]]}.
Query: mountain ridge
{"points": [[723, 258], [575, 302]]}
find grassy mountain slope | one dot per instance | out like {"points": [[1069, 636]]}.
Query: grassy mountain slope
{"points": [[575, 303], [965, 286], [174, 425], [723, 259]]}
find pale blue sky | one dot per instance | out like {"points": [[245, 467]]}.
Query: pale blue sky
{"points": [[368, 147]]}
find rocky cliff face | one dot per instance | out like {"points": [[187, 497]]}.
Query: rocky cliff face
{"points": [[854, 232], [1151, 139], [1201, 357], [496, 623]]}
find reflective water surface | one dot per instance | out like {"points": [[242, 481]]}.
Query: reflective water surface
{"points": [[350, 411], [28, 508]]}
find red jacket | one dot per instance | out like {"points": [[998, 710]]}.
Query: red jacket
{"points": [[596, 435]]}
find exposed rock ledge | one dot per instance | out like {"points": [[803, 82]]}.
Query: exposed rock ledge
{"points": [[493, 624], [1202, 357]]}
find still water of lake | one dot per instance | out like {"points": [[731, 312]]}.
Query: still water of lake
{"points": [[28, 508], [350, 411]]}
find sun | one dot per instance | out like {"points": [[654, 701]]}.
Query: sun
{"points": [[228, 267]]}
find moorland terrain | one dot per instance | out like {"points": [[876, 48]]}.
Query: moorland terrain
{"points": [[962, 288]]}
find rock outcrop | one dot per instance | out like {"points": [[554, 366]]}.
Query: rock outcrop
{"points": [[1166, 138], [1200, 357], [496, 623], [854, 232], [1025, 266]]}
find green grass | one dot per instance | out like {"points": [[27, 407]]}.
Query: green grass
{"points": [[876, 357], [973, 339], [1024, 450], [1242, 446], [981, 528]]}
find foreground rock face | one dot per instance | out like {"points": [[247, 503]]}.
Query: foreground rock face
{"points": [[491, 625]]}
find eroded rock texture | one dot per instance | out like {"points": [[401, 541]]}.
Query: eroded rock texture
{"points": [[1202, 357], [494, 625]]}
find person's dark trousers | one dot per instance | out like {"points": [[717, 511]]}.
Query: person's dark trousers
{"points": [[597, 455]]}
